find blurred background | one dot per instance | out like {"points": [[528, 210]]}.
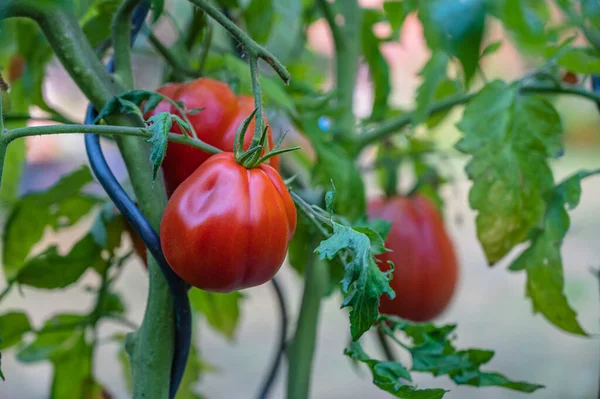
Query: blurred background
{"points": [[490, 306]]}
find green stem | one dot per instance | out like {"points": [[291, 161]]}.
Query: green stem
{"points": [[385, 346], [25, 117], [302, 347], [180, 70], [6, 290], [259, 118], [121, 42], [251, 47], [386, 128], [104, 130], [196, 25], [151, 348], [206, 42]]}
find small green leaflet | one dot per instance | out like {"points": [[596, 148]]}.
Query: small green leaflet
{"points": [[222, 311], [160, 126], [391, 377], [580, 60], [13, 326], [510, 136], [432, 352], [129, 103], [363, 282], [157, 9], [542, 261], [433, 74]]}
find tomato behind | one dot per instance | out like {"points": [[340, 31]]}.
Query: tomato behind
{"points": [[426, 268]]}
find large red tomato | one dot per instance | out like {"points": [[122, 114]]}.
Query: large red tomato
{"points": [[216, 124], [426, 269], [226, 227]]}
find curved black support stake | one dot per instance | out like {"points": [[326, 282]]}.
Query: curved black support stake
{"points": [[596, 87], [283, 332], [181, 304]]}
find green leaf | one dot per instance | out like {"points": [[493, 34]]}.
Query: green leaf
{"points": [[193, 372], [580, 60], [363, 282], [58, 336], [111, 304], [491, 48], [526, 20], [119, 105], [286, 29], [97, 23], [62, 205], [378, 66], [13, 326], [446, 88], [300, 249], [397, 11], [51, 270], [1, 373], [510, 136], [258, 15], [391, 377], [542, 261], [12, 172], [433, 74], [160, 126], [158, 7], [455, 27], [222, 311], [432, 352]]}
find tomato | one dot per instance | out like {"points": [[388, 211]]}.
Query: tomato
{"points": [[226, 227], [216, 124], [570, 78], [426, 268]]}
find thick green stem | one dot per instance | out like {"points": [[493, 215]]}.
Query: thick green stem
{"points": [[152, 345], [302, 347], [121, 42]]}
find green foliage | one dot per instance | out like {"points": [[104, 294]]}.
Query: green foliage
{"points": [[542, 261], [527, 21], [580, 60], [222, 311], [363, 282], [397, 11], [13, 326], [380, 73], [160, 127], [510, 136], [60, 206]]}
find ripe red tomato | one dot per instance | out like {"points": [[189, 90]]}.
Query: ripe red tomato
{"points": [[426, 269], [216, 124], [226, 227]]}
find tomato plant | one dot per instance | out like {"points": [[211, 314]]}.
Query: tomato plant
{"points": [[184, 88], [426, 268]]}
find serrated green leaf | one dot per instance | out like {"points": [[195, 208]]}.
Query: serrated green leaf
{"points": [[62, 205], [455, 27], [378, 66], [51, 270], [364, 283], [542, 261], [13, 326], [160, 126], [433, 74], [510, 136], [391, 377], [432, 352], [222, 311], [397, 11], [580, 60]]}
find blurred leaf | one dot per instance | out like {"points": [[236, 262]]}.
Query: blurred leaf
{"points": [[433, 74], [300, 250], [446, 88], [222, 311], [543, 262], [62, 205], [258, 15], [510, 136], [455, 27], [397, 11], [97, 23], [391, 377], [59, 335], [580, 60], [364, 283], [157, 9], [12, 172], [286, 28], [51, 270], [378, 66], [490, 49], [13, 326], [111, 304], [432, 352], [526, 20]]}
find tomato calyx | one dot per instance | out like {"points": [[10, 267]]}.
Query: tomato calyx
{"points": [[253, 156]]}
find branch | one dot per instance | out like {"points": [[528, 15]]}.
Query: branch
{"points": [[179, 68], [104, 130], [251, 47], [121, 42], [386, 128]]}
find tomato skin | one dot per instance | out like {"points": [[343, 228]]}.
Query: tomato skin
{"points": [[216, 124], [226, 227], [426, 268]]}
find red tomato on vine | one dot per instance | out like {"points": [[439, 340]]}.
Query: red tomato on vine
{"points": [[426, 268], [226, 227], [220, 112]]}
